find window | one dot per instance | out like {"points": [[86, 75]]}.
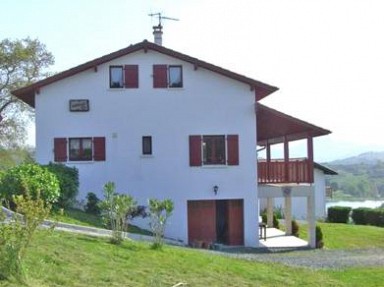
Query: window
{"points": [[116, 77], [175, 77], [147, 145], [167, 76], [79, 149], [213, 150], [124, 76]]}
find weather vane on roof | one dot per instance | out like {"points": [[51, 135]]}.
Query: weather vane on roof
{"points": [[158, 30]]}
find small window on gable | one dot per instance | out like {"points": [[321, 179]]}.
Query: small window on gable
{"points": [[175, 77], [147, 145], [116, 77]]}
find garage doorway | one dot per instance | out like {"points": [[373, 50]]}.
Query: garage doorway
{"points": [[216, 221]]}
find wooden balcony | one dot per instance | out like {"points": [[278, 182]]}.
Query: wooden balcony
{"points": [[278, 171]]}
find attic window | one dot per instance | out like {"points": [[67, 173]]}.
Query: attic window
{"points": [[175, 77], [167, 76], [116, 77], [124, 76]]}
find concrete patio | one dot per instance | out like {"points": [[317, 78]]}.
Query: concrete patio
{"points": [[277, 239]]}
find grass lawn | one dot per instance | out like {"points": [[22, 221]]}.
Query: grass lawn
{"points": [[348, 236], [64, 259], [79, 217]]}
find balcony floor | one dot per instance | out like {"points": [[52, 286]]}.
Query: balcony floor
{"points": [[277, 239]]}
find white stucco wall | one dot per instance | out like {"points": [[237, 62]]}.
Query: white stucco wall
{"points": [[208, 104]]}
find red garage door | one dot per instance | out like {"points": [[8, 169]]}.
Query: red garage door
{"points": [[216, 221], [201, 221]]}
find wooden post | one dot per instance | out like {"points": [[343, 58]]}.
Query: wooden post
{"points": [[270, 203], [268, 161], [286, 159], [310, 159]]}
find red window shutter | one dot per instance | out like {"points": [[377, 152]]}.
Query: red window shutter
{"points": [[195, 150], [60, 149], [131, 76], [160, 78], [99, 149], [233, 149]]}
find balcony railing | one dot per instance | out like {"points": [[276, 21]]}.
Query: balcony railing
{"points": [[279, 171]]}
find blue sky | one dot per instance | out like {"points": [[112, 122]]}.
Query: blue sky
{"points": [[326, 56]]}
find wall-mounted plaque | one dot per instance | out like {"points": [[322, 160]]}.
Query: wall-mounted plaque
{"points": [[79, 105]]}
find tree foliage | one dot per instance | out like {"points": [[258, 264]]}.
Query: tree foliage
{"points": [[358, 180], [12, 157], [22, 62]]}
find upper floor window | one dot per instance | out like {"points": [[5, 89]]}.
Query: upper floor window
{"points": [[116, 77], [175, 77], [147, 145], [124, 76], [213, 150], [167, 76]]}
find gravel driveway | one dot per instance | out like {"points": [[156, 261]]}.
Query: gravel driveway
{"points": [[318, 259]]}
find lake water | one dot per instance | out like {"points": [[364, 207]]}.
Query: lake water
{"points": [[356, 204]]}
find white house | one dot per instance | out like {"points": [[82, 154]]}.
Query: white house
{"points": [[162, 124]]}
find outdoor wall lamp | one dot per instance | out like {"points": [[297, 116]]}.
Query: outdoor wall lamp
{"points": [[215, 189]]}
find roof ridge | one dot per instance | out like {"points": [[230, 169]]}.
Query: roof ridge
{"points": [[27, 94]]}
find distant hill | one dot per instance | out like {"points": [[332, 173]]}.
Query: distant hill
{"points": [[360, 176], [369, 158]]}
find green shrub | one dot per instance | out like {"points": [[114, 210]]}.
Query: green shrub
{"points": [[31, 179], [69, 183], [16, 236], [319, 237], [359, 215], [274, 219], [159, 211], [92, 205], [339, 214], [295, 228], [114, 209]]}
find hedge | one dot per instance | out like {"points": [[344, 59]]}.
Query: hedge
{"points": [[368, 216], [339, 214]]}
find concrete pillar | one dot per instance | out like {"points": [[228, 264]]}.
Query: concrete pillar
{"points": [[288, 213], [311, 218], [270, 203]]}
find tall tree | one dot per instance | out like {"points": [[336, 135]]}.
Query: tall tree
{"points": [[22, 62]]}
